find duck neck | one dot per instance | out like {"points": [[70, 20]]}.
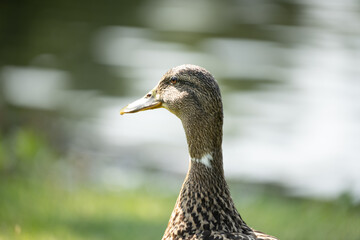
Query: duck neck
{"points": [[204, 138], [204, 202]]}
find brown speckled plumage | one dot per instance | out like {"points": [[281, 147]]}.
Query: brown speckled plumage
{"points": [[204, 209]]}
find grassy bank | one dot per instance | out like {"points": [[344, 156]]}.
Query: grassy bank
{"points": [[39, 210], [37, 202]]}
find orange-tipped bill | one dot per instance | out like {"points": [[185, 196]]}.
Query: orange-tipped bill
{"points": [[141, 104]]}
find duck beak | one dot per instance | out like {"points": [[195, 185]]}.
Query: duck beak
{"points": [[148, 102]]}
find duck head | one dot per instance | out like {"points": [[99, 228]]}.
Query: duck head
{"points": [[192, 94], [186, 91]]}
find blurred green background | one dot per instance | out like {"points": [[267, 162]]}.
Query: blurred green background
{"points": [[72, 168]]}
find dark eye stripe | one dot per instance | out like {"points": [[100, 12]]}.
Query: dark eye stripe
{"points": [[173, 80], [187, 83]]}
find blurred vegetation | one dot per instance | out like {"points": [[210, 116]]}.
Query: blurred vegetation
{"points": [[24, 151], [37, 203]]}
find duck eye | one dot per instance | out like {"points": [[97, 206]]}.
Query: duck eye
{"points": [[173, 80]]}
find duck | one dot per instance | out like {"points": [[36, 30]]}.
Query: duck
{"points": [[204, 209]]}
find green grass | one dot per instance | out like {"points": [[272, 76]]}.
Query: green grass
{"points": [[38, 203], [304, 219], [43, 210], [33, 210]]}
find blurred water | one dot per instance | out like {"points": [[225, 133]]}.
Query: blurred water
{"points": [[288, 73]]}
